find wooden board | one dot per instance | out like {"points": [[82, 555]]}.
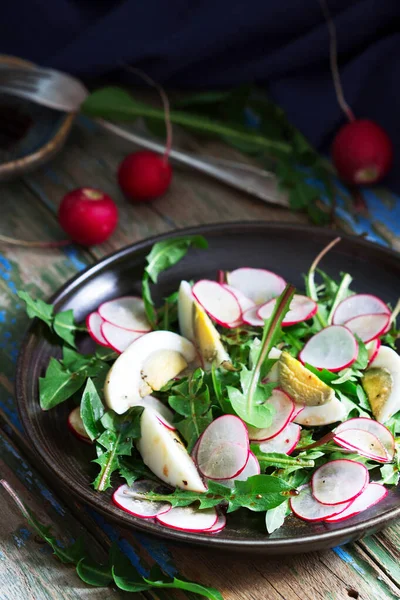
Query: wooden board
{"points": [[368, 568]]}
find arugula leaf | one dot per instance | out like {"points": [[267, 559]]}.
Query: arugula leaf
{"points": [[62, 323], [275, 517], [37, 308], [362, 357], [341, 293], [258, 493], [58, 384], [91, 410], [162, 256], [191, 399], [276, 459], [114, 442], [118, 568], [250, 404], [132, 468], [390, 474]]}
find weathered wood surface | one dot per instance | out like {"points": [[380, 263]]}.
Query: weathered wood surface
{"points": [[368, 568]]}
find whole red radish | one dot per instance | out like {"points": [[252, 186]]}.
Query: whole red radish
{"points": [[88, 216], [144, 175], [362, 152]]}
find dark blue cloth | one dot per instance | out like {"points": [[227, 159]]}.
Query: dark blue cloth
{"points": [[206, 44]]}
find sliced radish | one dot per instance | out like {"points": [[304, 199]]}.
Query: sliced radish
{"points": [[283, 407], [363, 442], [259, 285], [76, 425], [301, 308], [187, 518], [298, 408], [223, 448], [334, 348], [339, 481], [250, 317], [124, 498], [221, 278], [218, 525], [193, 453], [117, 338], [368, 327], [93, 324], [252, 468], [306, 507], [217, 301], [285, 442], [244, 303], [373, 493], [358, 304], [377, 429], [373, 349], [126, 312]]}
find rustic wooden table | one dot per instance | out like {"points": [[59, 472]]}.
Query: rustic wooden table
{"points": [[368, 570]]}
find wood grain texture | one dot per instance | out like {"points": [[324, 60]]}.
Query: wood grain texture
{"points": [[91, 158]]}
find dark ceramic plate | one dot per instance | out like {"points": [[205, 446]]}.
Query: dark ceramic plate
{"points": [[286, 249]]}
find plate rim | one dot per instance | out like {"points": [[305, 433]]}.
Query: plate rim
{"points": [[339, 535]]}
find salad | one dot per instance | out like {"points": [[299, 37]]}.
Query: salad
{"points": [[239, 393]]}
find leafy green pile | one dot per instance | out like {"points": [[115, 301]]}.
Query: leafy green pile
{"points": [[226, 115], [118, 570], [200, 397]]}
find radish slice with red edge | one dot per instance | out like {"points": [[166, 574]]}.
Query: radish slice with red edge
{"points": [[334, 348], [301, 309], [117, 338], [223, 448], [218, 302], [258, 285], [244, 303], [218, 526], [285, 442], [252, 468], [373, 493], [187, 518], [126, 312], [93, 324], [76, 425], [373, 349], [298, 408], [124, 497], [377, 429], [250, 317], [307, 508], [339, 481], [358, 304], [283, 407], [368, 327], [363, 442]]}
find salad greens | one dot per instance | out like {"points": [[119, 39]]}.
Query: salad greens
{"points": [[118, 570], [250, 390]]}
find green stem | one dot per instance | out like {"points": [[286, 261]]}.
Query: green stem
{"points": [[340, 294], [271, 329], [310, 280], [285, 462]]}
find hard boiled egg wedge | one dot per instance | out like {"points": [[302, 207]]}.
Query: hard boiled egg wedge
{"points": [[146, 365], [165, 455], [325, 414], [381, 383]]}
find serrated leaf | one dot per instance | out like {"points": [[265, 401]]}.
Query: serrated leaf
{"points": [[167, 253], [258, 493], [64, 326], [91, 410], [58, 384], [37, 308]]}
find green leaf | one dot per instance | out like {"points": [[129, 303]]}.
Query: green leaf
{"points": [[37, 308], [275, 517], [92, 410], [209, 97], [167, 253], [157, 579], [281, 461], [93, 573], [149, 307], [109, 463], [114, 103], [132, 468], [390, 474], [258, 493], [249, 405], [191, 399], [362, 358], [58, 384], [64, 326]]}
